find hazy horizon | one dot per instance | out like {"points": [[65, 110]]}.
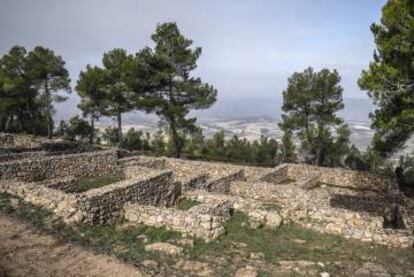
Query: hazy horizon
{"points": [[250, 48]]}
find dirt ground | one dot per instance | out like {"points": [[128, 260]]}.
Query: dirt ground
{"points": [[24, 252]]}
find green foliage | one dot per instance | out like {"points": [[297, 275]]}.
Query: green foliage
{"points": [[93, 183], [389, 79], [135, 140], [20, 109], [217, 147], [355, 160], [310, 105], [186, 204], [158, 145], [77, 128], [174, 91], [263, 152], [89, 88], [288, 148], [110, 135], [118, 96], [404, 172], [195, 147], [49, 76]]}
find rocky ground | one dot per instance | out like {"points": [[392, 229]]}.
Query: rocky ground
{"points": [[34, 244], [27, 252]]}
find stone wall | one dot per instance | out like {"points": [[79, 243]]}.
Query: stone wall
{"points": [[278, 175], [351, 213], [16, 140], [20, 156], [143, 161], [215, 177], [101, 163], [306, 175], [197, 221], [101, 205], [222, 184], [37, 195], [258, 214], [65, 184]]}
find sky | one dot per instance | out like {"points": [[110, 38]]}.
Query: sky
{"points": [[250, 47]]}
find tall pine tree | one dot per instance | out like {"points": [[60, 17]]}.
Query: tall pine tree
{"points": [[119, 97], [49, 75], [174, 91], [310, 105], [90, 88], [389, 79]]}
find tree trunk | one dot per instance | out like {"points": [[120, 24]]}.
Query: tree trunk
{"points": [[49, 117], [93, 129], [175, 139], [119, 118], [32, 120], [319, 159], [6, 128]]}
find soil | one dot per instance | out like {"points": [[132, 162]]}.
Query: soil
{"points": [[25, 252]]}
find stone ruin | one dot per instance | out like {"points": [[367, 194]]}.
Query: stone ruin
{"points": [[335, 201]]}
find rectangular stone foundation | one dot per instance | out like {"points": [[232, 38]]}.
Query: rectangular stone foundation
{"points": [[193, 221], [101, 205]]}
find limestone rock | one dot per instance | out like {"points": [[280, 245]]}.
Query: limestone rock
{"points": [[246, 272], [186, 242], [165, 248], [371, 269], [273, 220], [196, 268], [149, 263]]}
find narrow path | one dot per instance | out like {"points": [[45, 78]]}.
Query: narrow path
{"points": [[25, 252]]}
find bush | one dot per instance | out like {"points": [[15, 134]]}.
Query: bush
{"points": [[404, 172]]}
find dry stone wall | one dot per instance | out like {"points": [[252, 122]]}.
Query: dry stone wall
{"points": [[258, 214], [201, 221], [214, 177], [222, 184], [20, 156], [103, 204], [311, 176], [101, 163], [351, 213], [15, 140], [65, 184], [143, 161]]}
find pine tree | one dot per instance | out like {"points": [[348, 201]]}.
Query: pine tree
{"points": [[118, 95], [90, 88], [18, 104], [310, 105], [174, 91], [288, 149], [49, 75], [389, 79]]}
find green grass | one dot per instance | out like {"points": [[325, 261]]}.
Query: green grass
{"points": [[186, 204], [97, 182], [281, 244], [225, 255]]}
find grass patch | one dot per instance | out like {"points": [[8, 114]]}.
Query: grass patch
{"points": [[186, 204], [97, 182], [281, 244]]}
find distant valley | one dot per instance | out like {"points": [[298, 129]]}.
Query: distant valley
{"points": [[246, 117]]}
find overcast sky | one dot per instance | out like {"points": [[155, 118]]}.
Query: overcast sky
{"points": [[250, 47]]}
